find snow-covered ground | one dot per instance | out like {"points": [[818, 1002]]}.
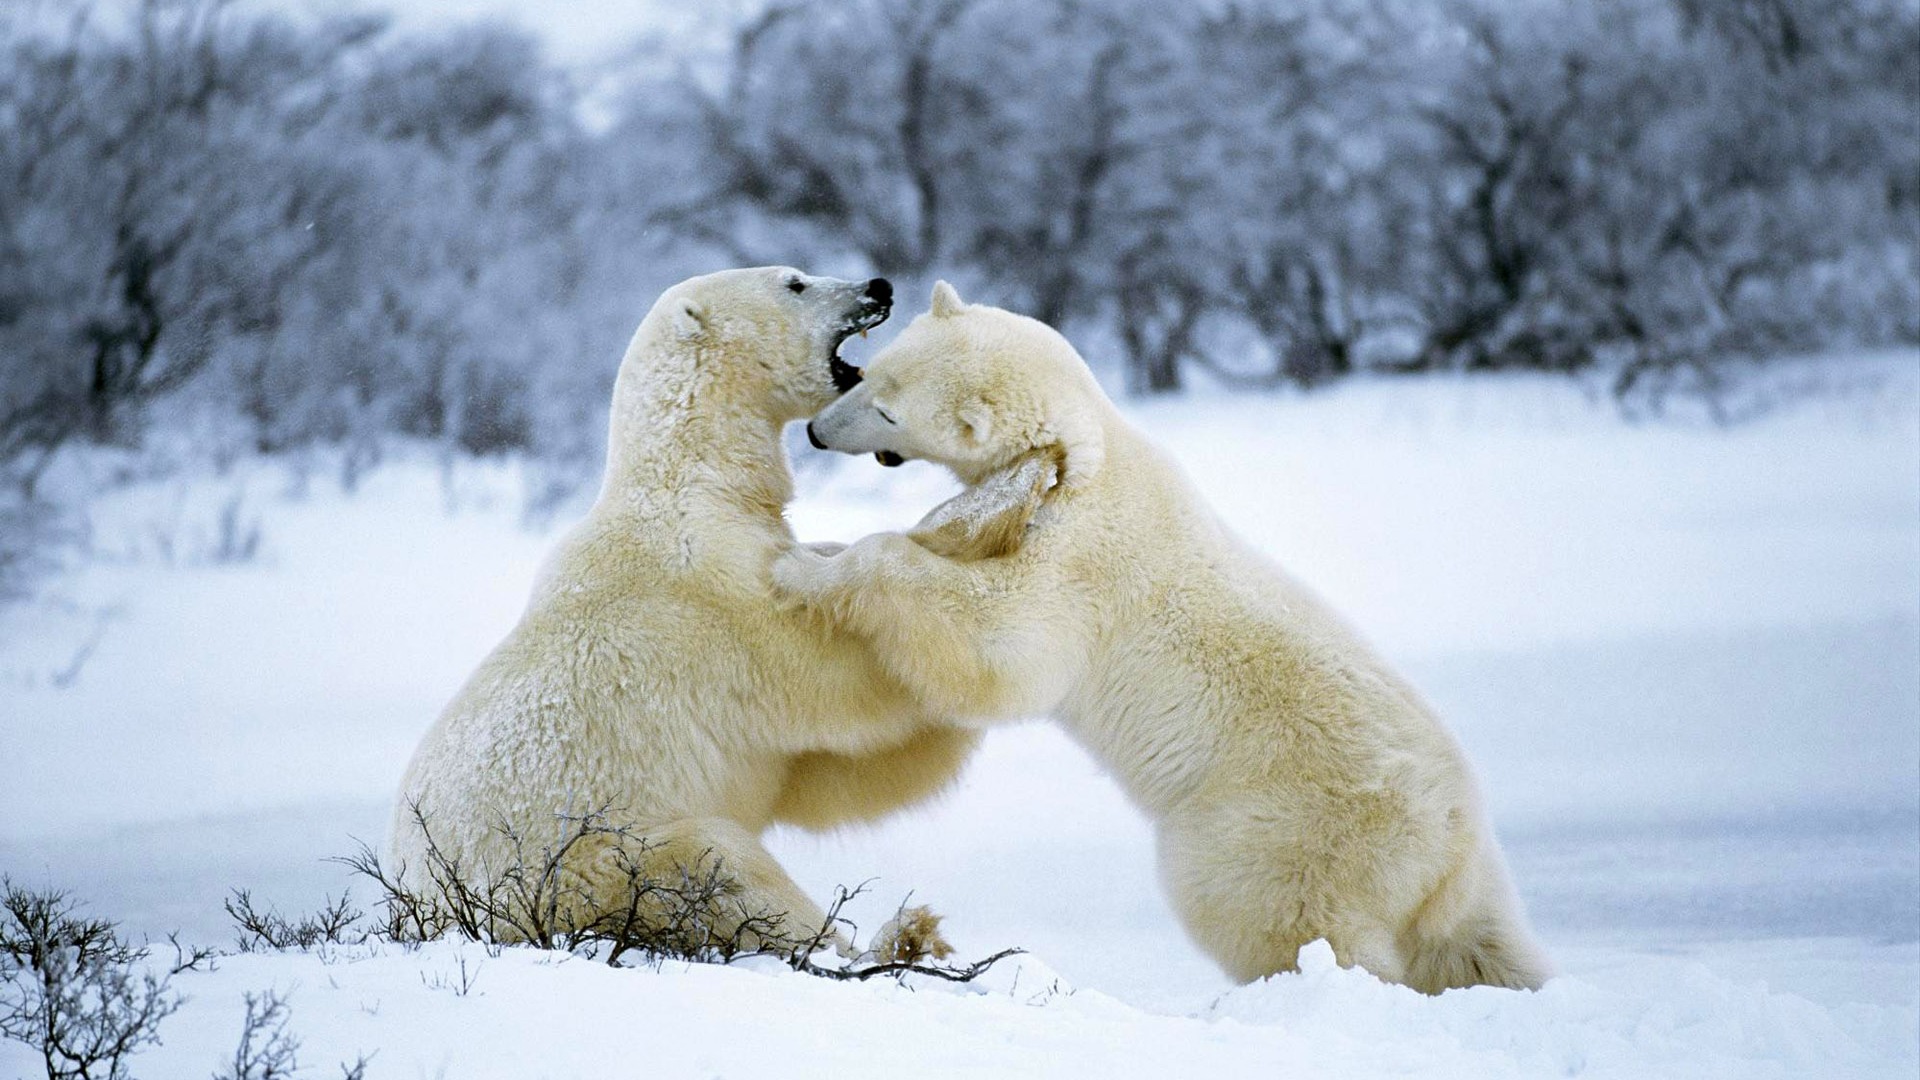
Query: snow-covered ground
{"points": [[1686, 662]]}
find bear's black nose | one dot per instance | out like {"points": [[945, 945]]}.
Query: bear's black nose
{"points": [[880, 290], [814, 439]]}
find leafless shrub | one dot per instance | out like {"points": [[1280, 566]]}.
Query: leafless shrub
{"points": [[65, 676], [683, 912], [334, 924], [1724, 390], [70, 988], [461, 984], [33, 533], [266, 1051], [236, 536], [182, 535], [189, 957], [912, 962], [87, 1001]]}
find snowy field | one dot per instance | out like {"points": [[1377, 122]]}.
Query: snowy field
{"points": [[1686, 662]]}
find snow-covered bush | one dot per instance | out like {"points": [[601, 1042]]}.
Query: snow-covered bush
{"points": [[73, 990]]}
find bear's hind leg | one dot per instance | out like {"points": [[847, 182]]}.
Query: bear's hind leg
{"points": [[1246, 916], [1250, 899], [759, 906]]}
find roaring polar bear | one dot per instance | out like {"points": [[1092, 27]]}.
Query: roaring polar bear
{"points": [[1299, 788], [653, 672]]}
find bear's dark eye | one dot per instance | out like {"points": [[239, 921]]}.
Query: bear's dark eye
{"points": [[796, 285]]}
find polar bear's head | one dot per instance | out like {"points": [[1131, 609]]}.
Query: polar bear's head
{"points": [[976, 389], [771, 334]]}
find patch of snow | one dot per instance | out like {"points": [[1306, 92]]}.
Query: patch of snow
{"points": [[458, 1010]]}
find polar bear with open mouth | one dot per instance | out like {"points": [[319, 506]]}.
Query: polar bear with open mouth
{"points": [[653, 672]]}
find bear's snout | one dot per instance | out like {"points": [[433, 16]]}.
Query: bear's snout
{"points": [[880, 291]]}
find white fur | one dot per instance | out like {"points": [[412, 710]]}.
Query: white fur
{"points": [[1299, 788], [652, 672]]}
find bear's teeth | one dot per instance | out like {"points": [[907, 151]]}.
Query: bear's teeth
{"points": [[863, 333]]}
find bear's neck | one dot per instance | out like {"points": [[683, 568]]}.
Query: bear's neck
{"points": [[692, 456]]}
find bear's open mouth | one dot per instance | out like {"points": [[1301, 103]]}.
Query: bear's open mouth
{"points": [[872, 313], [888, 458], [845, 375]]}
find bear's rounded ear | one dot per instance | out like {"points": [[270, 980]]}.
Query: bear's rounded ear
{"points": [[976, 423], [690, 319], [945, 300]]}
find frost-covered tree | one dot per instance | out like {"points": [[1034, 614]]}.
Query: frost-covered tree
{"points": [[157, 198], [333, 231], [852, 118]]}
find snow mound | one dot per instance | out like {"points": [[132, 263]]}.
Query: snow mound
{"points": [[1685, 1023], [458, 1010]]}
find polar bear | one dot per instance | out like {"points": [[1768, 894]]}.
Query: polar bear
{"points": [[1299, 789], [652, 672]]}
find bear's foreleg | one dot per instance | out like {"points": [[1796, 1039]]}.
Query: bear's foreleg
{"points": [[969, 639]]}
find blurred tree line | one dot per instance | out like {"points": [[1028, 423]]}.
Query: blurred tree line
{"points": [[322, 230]]}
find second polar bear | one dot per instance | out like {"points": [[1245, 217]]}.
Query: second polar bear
{"points": [[653, 672], [1299, 789]]}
